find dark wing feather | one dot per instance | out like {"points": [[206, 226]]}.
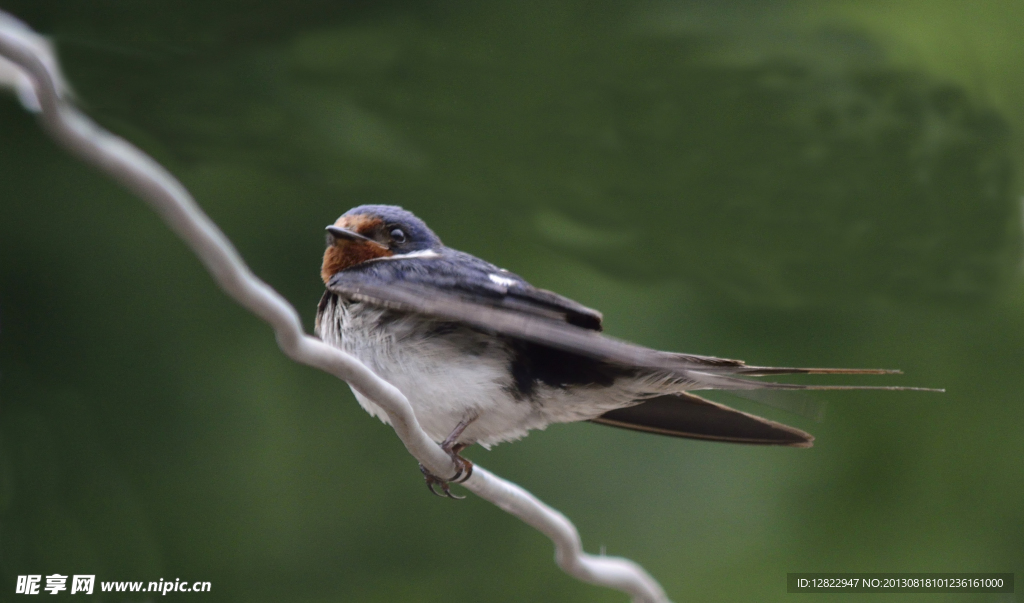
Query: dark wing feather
{"points": [[458, 287], [514, 317], [688, 416]]}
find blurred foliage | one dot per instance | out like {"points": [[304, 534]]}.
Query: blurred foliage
{"points": [[790, 183]]}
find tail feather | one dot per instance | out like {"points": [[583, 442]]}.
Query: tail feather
{"points": [[763, 371], [704, 380], [729, 366], [688, 416]]}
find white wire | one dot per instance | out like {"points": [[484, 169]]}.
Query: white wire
{"points": [[142, 175]]}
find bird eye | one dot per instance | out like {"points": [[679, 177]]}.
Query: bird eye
{"points": [[398, 235]]}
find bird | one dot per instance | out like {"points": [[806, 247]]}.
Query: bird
{"points": [[484, 357]]}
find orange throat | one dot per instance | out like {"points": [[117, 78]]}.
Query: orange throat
{"points": [[345, 254]]}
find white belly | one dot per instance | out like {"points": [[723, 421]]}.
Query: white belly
{"points": [[444, 383], [450, 373]]}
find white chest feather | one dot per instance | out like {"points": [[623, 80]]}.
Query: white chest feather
{"points": [[450, 372]]}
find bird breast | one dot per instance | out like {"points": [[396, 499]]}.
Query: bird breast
{"points": [[449, 372]]}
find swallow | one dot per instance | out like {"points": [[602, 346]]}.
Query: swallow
{"points": [[484, 357]]}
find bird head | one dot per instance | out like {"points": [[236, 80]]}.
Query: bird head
{"points": [[369, 232]]}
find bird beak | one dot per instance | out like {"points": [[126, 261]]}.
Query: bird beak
{"points": [[343, 233]]}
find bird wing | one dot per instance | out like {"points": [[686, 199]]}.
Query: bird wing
{"points": [[461, 288]]}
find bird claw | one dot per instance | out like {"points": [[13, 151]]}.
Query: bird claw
{"points": [[464, 472], [464, 468]]}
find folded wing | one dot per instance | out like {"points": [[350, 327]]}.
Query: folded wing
{"points": [[516, 309]]}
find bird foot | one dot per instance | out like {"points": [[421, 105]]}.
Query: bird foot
{"points": [[465, 470]]}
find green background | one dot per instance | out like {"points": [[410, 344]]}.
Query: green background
{"points": [[796, 183]]}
